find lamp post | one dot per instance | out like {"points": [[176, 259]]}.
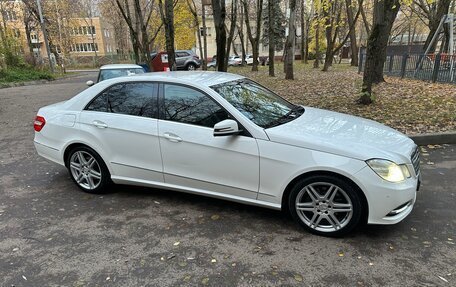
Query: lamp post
{"points": [[43, 28]]}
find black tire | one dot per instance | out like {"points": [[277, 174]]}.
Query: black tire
{"points": [[191, 67], [100, 185], [327, 221]]}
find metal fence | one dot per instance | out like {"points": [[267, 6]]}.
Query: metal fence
{"points": [[433, 67]]}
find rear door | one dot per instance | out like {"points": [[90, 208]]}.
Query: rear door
{"points": [[193, 157], [181, 58], [122, 123]]}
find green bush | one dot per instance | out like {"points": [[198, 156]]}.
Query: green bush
{"points": [[11, 75]]}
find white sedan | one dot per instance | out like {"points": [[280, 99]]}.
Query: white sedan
{"points": [[225, 136]]}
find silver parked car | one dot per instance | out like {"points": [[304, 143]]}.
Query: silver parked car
{"points": [[187, 60]]}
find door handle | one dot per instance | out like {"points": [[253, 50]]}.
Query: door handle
{"points": [[172, 137], [100, 124]]}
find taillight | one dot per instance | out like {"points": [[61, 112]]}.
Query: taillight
{"points": [[39, 123]]}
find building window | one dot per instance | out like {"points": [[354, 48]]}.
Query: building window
{"points": [[83, 30], [84, 47], [9, 15]]}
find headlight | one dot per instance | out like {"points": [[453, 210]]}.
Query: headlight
{"points": [[388, 170]]}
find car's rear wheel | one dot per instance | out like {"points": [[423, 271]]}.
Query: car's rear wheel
{"points": [[191, 67], [88, 170], [325, 205]]}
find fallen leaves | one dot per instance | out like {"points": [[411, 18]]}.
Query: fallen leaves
{"points": [[298, 277]]}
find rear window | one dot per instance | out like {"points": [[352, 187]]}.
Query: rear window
{"points": [[136, 99]]}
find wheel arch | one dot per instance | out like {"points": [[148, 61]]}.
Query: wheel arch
{"points": [[288, 188], [73, 145]]}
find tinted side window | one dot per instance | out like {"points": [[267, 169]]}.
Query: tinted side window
{"points": [[189, 106], [99, 104], [182, 54], [136, 99]]}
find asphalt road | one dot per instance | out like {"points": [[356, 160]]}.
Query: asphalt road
{"points": [[51, 234]]}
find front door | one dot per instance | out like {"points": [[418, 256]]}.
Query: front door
{"points": [[193, 157]]}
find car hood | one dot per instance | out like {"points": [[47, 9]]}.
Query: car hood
{"points": [[344, 135]]}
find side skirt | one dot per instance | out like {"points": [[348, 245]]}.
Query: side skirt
{"points": [[131, 181]]}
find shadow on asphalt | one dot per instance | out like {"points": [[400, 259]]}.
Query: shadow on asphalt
{"points": [[176, 198]]}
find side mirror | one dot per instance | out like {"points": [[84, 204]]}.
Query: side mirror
{"points": [[90, 83], [226, 128]]}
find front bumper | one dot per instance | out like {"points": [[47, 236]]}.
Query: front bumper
{"points": [[389, 203]]}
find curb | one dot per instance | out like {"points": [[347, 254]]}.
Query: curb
{"points": [[37, 82], [20, 84], [434, 138]]}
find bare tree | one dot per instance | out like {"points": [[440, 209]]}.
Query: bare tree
{"points": [[139, 24], [433, 11], [290, 43], [254, 37], [332, 12], [219, 12], [352, 32], [192, 7], [168, 18], [233, 19], [240, 29], [385, 12], [271, 34]]}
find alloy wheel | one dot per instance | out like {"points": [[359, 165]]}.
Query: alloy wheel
{"points": [[324, 207], [85, 170]]}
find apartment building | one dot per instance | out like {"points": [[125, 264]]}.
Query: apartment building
{"points": [[78, 37]]}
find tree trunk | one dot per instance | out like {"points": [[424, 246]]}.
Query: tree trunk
{"points": [[29, 40], [353, 45], [242, 39], [385, 12], [271, 37], [328, 16], [126, 14], [255, 41], [290, 42], [232, 30], [219, 12], [192, 7], [168, 19], [303, 32], [316, 63], [203, 19]]}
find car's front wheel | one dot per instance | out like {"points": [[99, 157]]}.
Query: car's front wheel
{"points": [[325, 205], [88, 170]]}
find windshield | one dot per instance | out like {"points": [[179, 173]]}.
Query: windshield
{"points": [[109, 74], [257, 103]]}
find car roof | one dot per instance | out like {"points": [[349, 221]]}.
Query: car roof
{"points": [[119, 66], [203, 78]]}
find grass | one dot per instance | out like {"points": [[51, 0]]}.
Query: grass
{"points": [[16, 75], [410, 106]]}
